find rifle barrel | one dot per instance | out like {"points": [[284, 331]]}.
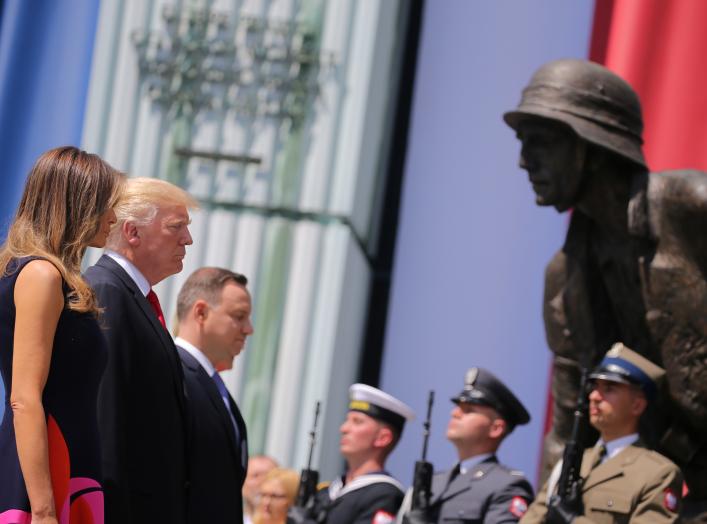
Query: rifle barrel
{"points": [[426, 425], [313, 434]]}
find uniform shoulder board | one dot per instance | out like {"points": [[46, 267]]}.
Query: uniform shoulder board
{"points": [[323, 485], [512, 472], [660, 459]]}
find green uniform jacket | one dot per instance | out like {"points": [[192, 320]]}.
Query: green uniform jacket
{"points": [[636, 486]]}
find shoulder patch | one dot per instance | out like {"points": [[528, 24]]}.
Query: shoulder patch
{"points": [[383, 517], [670, 500], [518, 507]]}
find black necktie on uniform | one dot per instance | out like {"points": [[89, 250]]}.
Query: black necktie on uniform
{"points": [[599, 457], [456, 470]]}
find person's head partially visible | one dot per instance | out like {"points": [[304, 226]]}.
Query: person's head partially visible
{"points": [[67, 205], [258, 467], [622, 386], [213, 311], [152, 231], [373, 425], [485, 413], [276, 494]]}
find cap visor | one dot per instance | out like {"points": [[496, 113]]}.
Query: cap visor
{"points": [[611, 377]]}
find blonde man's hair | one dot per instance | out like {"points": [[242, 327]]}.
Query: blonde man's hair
{"points": [[141, 201], [66, 194]]}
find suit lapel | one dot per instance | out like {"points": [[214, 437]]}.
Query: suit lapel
{"points": [[464, 482], [242, 430], [208, 385], [588, 459], [140, 299], [144, 306], [212, 391], [612, 468]]}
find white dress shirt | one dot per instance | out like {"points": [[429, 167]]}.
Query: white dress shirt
{"points": [[616, 446], [472, 462], [197, 354], [131, 270]]}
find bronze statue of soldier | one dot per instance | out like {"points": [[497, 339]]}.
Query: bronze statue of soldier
{"points": [[633, 268]]}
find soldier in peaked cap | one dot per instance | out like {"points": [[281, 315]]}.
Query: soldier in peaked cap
{"points": [[623, 481], [366, 493], [478, 488]]}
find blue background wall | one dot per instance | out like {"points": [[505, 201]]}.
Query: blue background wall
{"points": [[45, 58], [472, 244]]}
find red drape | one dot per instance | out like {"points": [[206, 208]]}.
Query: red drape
{"points": [[659, 47]]}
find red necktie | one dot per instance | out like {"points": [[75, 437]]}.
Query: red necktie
{"points": [[155, 303]]}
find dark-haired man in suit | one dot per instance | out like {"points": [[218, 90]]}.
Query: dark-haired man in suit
{"points": [[141, 406], [213, 309]]}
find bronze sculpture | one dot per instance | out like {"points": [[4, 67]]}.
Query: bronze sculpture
{"points": [[634, 264]]}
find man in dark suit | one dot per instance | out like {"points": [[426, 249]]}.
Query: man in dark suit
{"points": [[141, 406], [213, 309], [478, 488]]}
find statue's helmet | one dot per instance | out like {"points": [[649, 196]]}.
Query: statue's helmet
{"points": [[597, 104]]}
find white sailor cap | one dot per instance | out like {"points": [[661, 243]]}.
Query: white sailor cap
{"points": [[379, 405]]}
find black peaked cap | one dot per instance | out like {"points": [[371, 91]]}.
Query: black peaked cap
{"points": [[482, 387]]}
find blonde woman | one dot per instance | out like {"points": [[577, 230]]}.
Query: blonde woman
{"points": [[276, 494], [52, 351]]}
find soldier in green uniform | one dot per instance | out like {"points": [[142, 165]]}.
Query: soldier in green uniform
{"points": [[623, 481]]}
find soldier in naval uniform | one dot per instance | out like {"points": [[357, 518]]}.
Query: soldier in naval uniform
{"points": [[623, 481], [478, 488], [366, 493]]}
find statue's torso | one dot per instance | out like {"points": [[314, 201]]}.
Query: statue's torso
{"points": [[650, 294]]}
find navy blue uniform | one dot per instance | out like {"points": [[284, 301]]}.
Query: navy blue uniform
{"points": [[368, 499]]}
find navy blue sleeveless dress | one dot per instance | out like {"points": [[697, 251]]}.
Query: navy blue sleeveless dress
{"points": [[78, 358]]}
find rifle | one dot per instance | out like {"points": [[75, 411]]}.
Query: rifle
{"points": [[309, 477], [569, 485], [422, 480]]}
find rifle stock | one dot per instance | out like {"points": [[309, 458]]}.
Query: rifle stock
{"points": [[569, 484], [308, 480], [422, 479]]}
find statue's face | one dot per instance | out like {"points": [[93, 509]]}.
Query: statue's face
{"points": [[553, 156]]}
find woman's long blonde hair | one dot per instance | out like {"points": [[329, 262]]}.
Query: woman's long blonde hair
{"points": [[66, 193]]}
